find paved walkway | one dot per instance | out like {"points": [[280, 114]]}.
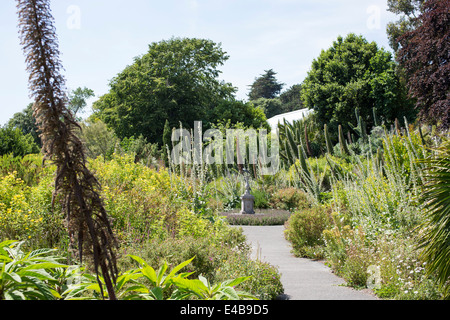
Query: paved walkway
{"points": [[302, 279]]}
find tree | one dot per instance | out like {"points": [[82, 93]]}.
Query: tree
{"points": [[98, 139], [408, 11], [14, 141], [25, 122], [271, 107], [176, 79], [235, 111], [265, 86], [424, 57], [354, 74], [77, 99], [88, 224], [291, 98]]}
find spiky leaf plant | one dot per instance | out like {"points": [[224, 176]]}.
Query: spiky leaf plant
{"points": [[435, 235], [87, 221]]}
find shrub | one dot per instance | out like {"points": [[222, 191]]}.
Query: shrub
{"points": [[218, 260], [26, 213], [260, 218], [304, 230], [13, 141], [289, 199]]}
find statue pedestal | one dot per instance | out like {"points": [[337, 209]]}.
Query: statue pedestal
{"points": [[247, 203]]}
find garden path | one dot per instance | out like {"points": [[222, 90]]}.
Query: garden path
{"points": [[302, 279]]}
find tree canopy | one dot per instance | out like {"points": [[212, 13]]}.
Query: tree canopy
{"points": [[176, 80], [424, 57], [354, 74], [25, 122], [266, 86], [291, 98], [408, 10]]}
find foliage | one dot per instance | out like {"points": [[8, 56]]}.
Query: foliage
{"points": [[271, 107], [37, 275], [14, 141], [29, 168], [144, 152], [400, 154], [424, 58], [378, 210], [234, 112], [289, 199], [162, 285], [269, 217], [26, 212], [408, 11], [98, 139], [354, 73], [217, 258], [291, 99], [175, 80], [304, 230], [77, 100], [266, 86], [26, 123], [167, 143], [27, 276], [303, 133], [436, 226]]}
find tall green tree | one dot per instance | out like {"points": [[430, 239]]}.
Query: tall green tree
{"points": [[291, 98], [354, 74], [176, 79], [25, 122], [77, 99], [266, 86]]}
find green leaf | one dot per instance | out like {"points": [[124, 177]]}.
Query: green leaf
{"points": [[195, 286], [230, 293], [157, 293], [237, 281], [14, 295], [45, 265], [179, 267], [160, 275], [150, 274]]}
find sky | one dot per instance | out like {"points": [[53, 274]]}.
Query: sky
{"points": [[99, 38]]}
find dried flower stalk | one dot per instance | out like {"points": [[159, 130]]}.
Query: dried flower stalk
{"points": [[87, 221]]}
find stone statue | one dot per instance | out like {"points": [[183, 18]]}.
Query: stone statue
{"points": [[247, 200]]}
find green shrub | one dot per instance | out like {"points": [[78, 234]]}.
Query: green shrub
{"points": [[13, 141], [217, 261], [261, 199], [304, 230], [289, 199]]}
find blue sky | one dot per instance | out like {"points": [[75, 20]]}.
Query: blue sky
{"points": [[99, 38]]}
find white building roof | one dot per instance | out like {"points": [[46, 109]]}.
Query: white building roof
{"points": [[289, 117]]}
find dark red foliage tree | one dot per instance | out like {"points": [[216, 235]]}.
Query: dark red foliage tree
{"points": [[424, 57]]}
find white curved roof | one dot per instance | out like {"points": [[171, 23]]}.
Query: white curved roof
{"points": [[289, 117]]}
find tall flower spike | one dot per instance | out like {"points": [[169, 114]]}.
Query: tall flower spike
{"points": [[87, 222]]}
